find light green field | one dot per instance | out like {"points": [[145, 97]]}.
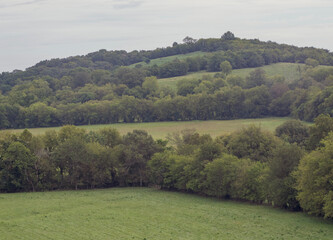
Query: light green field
{"points": [[161, 129], [142, 213], [288, 70], [160, 61]]}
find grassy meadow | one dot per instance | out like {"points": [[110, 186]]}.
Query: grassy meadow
{"points": [[143, 213], [160, 61], [289, 70], [159, 130]]}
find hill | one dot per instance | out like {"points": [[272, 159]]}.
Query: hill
{"points": [[268, 80], [142, 213]]}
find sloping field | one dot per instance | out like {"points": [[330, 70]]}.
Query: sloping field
{"points": [[142, 213], [161, 129], [160, 61], [291, 72]]}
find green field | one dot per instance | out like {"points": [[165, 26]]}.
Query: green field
{"points": [[289, 70], [160, 61], [142, 213], [161, 129]]}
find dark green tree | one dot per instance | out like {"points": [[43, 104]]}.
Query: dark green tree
{"points": [[281, 191], [17, 168], [138, 149], [322, 127], [293, 131], [314, 180], [228, 36], [253, 143], [219, 176]]}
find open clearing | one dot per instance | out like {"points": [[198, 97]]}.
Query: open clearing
{"points": [[161, 129], [143, 213], [160, 61], [291, 72]]}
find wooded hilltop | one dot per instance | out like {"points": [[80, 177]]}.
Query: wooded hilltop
{"points": [[117, 86]]}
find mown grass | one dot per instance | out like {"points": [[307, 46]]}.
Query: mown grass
{"points": [[291, 72], [161, 129], [143, 213], [160, 61]]}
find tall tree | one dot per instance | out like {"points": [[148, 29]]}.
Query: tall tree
{"points": [[16, 168], [226, 67], [314, 180], [138, 148]]}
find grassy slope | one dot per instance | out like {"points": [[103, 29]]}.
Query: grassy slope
{"points": [[160, 61], [161, 129], [289, 70], [142, 213]]}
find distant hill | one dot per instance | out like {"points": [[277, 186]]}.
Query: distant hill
{"points": [[185, 81], [241, 53]]}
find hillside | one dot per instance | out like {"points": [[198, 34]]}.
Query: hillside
{"points": [[142, 213], [267, 80], [290, 71], [164, 60]]}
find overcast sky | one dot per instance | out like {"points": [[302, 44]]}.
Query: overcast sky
{"points": [[35, 30]]}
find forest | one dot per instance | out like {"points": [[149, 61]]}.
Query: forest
{"points": [[116, 86]]}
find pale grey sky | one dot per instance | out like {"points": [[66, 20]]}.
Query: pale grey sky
{"points": [[35, 30]]}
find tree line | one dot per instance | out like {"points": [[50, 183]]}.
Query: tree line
{"points": [[49, 102], [291, 169]]}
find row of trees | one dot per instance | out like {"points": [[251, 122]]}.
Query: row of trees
{"points": [[129, 96], [215, 98], [234, 103], [291, 170], [73, 159]]}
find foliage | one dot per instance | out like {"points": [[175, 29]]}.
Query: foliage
{"points": [[249, 164], [251, 143], [228, 36], [138, 148], [314, 180], [208, 97], [323, 125], [219, 175], [226, 67], [280, 182], [293, 131]]}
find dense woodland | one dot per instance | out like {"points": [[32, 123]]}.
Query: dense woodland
{"points": [[116, 86], [291, 169]]}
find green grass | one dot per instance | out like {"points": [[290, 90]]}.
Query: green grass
{"points": [[161, 129], [160, 61], [142, 213], [289, 70]]}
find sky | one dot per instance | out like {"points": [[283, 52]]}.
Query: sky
{"points": [[36, 30]]}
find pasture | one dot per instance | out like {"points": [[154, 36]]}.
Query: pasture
{"points": [[290, 71], [160, 61], [159, 130], [143, 213]]}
